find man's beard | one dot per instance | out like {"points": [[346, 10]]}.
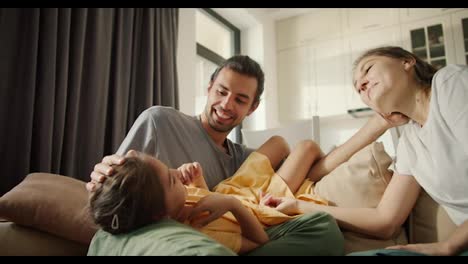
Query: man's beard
{"points": [[214, 125]]}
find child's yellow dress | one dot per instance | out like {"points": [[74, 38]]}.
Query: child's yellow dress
{"points": [[256, 174]]}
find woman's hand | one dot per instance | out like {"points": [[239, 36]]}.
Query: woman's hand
{"points": [[394, 119], [285, 205], [433, 249]]}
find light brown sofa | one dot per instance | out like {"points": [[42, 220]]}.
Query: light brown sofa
{"points": [[428, 223], [43, 201]]}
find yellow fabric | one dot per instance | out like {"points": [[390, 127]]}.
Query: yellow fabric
{"points": [[256, 174]]}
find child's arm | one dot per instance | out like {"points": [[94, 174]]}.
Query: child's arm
{"points": [[253, 234], [276, 149], [192, 175]]}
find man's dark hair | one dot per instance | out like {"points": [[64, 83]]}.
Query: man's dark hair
{"points": [[244, 65]]}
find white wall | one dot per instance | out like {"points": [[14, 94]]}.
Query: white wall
{"points": [[260, 43]]}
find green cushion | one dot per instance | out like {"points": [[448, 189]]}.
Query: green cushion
{"points": [[164, 238]]}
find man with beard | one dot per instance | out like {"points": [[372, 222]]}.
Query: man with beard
{"points": [[176, 138]]}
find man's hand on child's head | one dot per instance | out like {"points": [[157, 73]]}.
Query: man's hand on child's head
{"points": [[103, 169]]}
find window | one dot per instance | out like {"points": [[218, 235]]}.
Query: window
{"points": [[217, 40]]}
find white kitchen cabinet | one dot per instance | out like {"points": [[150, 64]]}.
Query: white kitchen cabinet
{"points": [[288, 33], [460, 36], [357, 45], [358, 20], [294, 89], [311, 81], [431, 40], [301, 30], [330, 94], [414, 14], [321, 23]]}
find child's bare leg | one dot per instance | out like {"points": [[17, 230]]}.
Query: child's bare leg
{"points": [[296, 167], [276, 149]]}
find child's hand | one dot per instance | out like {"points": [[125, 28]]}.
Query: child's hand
{"points": [[190, 172]]}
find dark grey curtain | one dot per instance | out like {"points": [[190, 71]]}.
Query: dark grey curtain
{"points": [[73, 81]]}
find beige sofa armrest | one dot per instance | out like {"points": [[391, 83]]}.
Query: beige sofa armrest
{"points": [[429, 222], [16, 240], [357, 242]]}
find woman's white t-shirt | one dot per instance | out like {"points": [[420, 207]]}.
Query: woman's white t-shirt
{"points": [[437, 153]]}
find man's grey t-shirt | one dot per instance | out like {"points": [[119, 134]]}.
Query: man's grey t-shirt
{"points": [[176, 138]]}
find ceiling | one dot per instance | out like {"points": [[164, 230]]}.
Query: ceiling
{"points": [[246, 17]]}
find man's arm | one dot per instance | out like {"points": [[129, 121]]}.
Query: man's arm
{"points": [[141, 137]]}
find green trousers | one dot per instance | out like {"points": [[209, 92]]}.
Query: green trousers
{"points": [[308, 235]]}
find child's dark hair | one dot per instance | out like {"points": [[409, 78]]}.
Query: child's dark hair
{"points": [[129, 199]]}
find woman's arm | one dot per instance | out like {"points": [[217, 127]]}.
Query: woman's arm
{"points": [[382, 222], [455, 244], [372, 130], [276, 149], [458, 241]]}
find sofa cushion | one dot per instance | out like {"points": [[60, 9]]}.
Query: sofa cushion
{"points": [[164, 238], [52, 203], [359, 182]]}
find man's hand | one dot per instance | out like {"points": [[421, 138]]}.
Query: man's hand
{"points": [[285, 205], [103, 169]]}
